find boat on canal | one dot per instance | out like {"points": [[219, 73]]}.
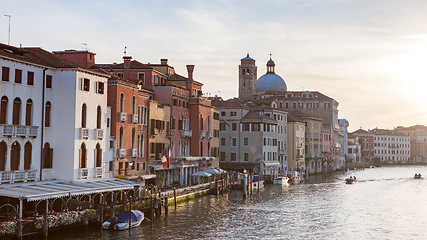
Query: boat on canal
{"points": [[281, 180], [350, 180], [121, 221], [240, 178]]}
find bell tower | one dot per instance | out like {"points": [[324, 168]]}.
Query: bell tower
{"points": [[247, 78]]}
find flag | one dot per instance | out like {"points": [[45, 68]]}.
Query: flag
{"points": [[166, 158]]}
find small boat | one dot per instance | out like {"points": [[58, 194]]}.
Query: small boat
{"points": [[281, 181], [418, 177], [121, 221], [240, 181], [350, 180]]}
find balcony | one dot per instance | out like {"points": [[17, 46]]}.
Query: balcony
{"points": [[134, 152], [122, 116], [98, 172], [18, 131], [84, 133], [99, 133], [17, 176], [186, 133], [134, 118], [83, 173], [210, 134], [282, 152], [122, 153], [202, 134]]}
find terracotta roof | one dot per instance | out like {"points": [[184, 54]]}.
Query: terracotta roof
{"points": [[360, 131], [36, 55], [177, 77], [293, 119], [300, 114], [133, 65], [297, 95], [230, 103]]}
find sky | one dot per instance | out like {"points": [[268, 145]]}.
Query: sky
{"points": [[369, 55]]}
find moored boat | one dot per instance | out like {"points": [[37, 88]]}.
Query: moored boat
{"points": [[350, 180], [121, 221], [282, 180]]}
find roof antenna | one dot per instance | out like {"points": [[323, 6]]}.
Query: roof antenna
{"points": [[125, 51], [84, 44]]}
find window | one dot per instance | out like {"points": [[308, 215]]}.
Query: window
{"points": [[100, 87], [98, 117], [85, 84], [122, 103], [222, 155], [222, 141], [98, 156], [16, 111], [47, 114], [234, 126], [120, 75], [27, 155], [141, 77], [201, 123], [222, 113], [133, 105], [5, 74], [216, 116], [245, 157], [48, 81], [30, 78], [234, 142], [28, 112], [222, 126], [47, 156], [121, 138], [3, 109], [83, 156], [233, 114], [84, 111], [246, 141], [233, 157], [18, 76]]}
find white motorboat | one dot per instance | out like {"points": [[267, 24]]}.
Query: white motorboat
{"points": [[121, 221], [281, 181]]}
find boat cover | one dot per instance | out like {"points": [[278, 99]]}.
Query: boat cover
{"points": [[124, 216]]}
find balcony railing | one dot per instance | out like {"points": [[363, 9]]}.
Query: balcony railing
{"points": [[134, 152], [99, 133], [122, 116], [186, 133], [202, 134], [83, 173], [18, 131], [122, 153], [84, 133], [17, 176], [98, 172], [210, 134], [282, 152], [134, 118]]}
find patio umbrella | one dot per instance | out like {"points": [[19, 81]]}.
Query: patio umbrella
{"points": [[201, 174]]}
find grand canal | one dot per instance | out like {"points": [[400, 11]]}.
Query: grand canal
{"points": [[386, 203]]}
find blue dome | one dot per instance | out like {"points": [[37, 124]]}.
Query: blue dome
{"points": [[270, 83]]}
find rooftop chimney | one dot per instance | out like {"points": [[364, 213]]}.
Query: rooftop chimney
{"points": [[190, 69], [164, 61], [127, 60]]}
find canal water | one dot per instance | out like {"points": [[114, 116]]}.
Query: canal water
{"points": [[386, 203]]}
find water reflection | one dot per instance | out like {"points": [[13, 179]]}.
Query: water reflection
{"points": [[386, 203]]}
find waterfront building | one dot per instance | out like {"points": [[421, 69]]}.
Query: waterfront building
{"points": [[354, 152], [296, 144], [366, 140], [327, 143], [247, 78], [341, 144], [391, 146], [418, 136], [53, 118], [313, 140]]}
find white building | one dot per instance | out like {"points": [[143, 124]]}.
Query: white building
{"points": [[54, 110], [391, 146]]}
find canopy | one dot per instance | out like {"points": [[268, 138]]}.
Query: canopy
{"points": [[135, 216], [212, 170], [201, 174], [41, 190]]}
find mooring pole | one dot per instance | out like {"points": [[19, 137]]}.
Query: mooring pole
{"points": [[130, 212]]}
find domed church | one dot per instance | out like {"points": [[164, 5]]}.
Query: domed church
{"points": [[268, 84]]}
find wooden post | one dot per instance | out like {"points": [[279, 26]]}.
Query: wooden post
{"points": [[259, 177], [102, 210], [174, 196], [166, 205], [130, 212], [19, 227], [124, 202], [45, 226]]}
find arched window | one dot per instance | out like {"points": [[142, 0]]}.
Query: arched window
{"points": [[209, 148], [84, 111], [3, 110], [139, 115], [201, 122], [16, 111], [243, 72], [98, 156], [98, 117], [29, 112], [121, 138], [145, 115], [122, 103], [201, 149], [141, 145], [209, 123], [133, 105], [47, 114], [15, 155], [3, 155], [47, 156], [133, 138], [27, 155], [83, 156]]}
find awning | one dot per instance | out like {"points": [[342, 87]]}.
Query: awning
{"points": [[41, 190], [272, 164]]}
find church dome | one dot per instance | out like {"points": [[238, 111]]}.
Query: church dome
{"points": [[270, 83]]}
